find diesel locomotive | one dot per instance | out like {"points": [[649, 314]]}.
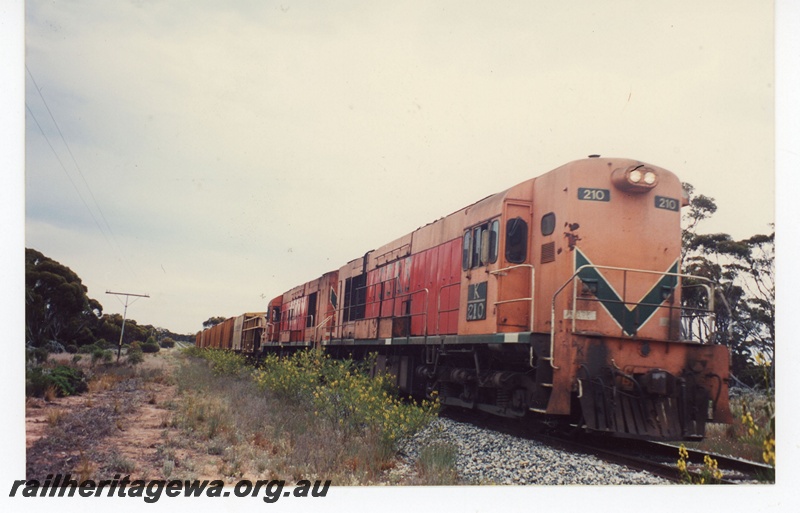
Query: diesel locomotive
{"points": [[558, 298]]}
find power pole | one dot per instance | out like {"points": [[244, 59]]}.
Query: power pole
{"points": [[127, 295]]}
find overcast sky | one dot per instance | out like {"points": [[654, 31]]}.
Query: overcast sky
{"points": [[214, 154]]}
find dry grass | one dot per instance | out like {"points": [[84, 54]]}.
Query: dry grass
{"points": [[253, 433], [734, 439], [102, 382], [54, 416], [50, 393], [437, 463], [217, 426]]}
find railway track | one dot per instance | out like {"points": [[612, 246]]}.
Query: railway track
{"points": [[661, 458], [658, 458]]}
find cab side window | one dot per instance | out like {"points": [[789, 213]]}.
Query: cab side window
{"points": [[548, 223], [480, 245], [516, 240]]}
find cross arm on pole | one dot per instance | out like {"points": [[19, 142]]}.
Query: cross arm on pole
{"points": [[124, 315]]}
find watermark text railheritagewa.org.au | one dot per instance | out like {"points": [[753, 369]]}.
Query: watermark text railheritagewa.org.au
{"points": [[151, 491]]}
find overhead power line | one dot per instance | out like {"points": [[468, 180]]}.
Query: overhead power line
{"points": [[112, 241]]}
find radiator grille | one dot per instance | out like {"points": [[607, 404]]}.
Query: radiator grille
{"points": [[548, 252]]}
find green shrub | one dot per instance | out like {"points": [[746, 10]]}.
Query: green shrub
{"points": [[149, 347], [167, 343], [71, 348], [38, 355], [342, 393], [135, 357], [102, 354], [103, 344], [88, 349], [64, 379], [222, 361]]}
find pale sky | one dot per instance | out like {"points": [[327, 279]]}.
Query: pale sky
{"points": [[215, 154]]}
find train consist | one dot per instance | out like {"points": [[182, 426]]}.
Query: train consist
{"points": [[558, 298]]}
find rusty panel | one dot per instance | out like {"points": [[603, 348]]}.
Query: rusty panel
{"points": [[292, 314], [323, 315], [226, 333], [430, 280], [366, 328], [417, 296], [388, 279], [273, 319], [444, 295], [350, 270], [215, 336], [403, 286], [449, 292], [390, 252], [373, 294], [253, 327]]}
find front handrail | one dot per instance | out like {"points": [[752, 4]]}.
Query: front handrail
{"points": [[708, 286]]}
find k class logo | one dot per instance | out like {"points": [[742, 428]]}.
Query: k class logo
{"points": [[629, 315]]}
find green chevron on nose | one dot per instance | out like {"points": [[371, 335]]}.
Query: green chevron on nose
{"points": [[629, 316]]}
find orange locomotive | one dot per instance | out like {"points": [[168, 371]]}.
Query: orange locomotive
{"points": [[558, 297]]}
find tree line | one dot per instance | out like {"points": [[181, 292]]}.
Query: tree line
{"points": [[59, 313], [744, 304]]}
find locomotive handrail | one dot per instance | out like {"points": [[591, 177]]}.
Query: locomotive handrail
{"points": [[394, 303], [424, 312], [325, 321], [502, 272], [268, 332], [709, 289], [307, 324], [399, 250]]}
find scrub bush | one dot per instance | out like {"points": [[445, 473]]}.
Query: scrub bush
{"points": [[65, 380]]}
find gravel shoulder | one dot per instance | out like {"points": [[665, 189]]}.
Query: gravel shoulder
{"points": [[489, 457]]}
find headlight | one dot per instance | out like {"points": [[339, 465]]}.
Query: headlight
{"points": [[638, 178]]}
